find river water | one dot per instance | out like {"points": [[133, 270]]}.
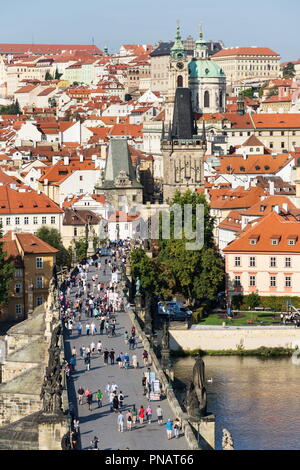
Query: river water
{"points": [[257, 400]]}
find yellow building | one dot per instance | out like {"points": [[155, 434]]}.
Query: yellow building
{"points": [[248, 62], [33, 260]]}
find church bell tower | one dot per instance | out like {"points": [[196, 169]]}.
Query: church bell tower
{"points": [[178, 74]]}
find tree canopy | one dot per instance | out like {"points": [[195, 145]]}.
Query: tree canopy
{"points": [[196, 274], [289, 70], [52, 236], [13, 108]]}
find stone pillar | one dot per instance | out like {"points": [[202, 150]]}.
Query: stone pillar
{"points": [[51, 434]]}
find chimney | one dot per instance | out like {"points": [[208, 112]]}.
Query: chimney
{"points": [[271, 188], [13, 235], [276, 208], [66, 161], [81, 158], [285, 206], [103, 151]]}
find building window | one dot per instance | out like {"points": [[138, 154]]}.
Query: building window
{"points": [[252, 261], [252, 281], [282, 145], [75, 232], [17, 220], [18, 272], [80, 178], [288, 262], [39, 263], [273, 262], [52, 220], [18, 288], [237, 281], [237, 261], [35, 220], [39, 282], [288, 281], [26, 220], [271, 145], [18, 309], [272, 281], [44, 220], [7, 220], [206, 99], [180, 81], [39, 301]]}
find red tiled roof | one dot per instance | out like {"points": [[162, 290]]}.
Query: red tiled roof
{"points": [[28, 202], [264, 230], [245, 51]]}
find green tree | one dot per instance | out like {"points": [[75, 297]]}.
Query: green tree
{"points": [[249, 92], [252, 300], [81, 247], [52, 236], [6, 272], [57, 74], [144, 268], [289, 70], [196, 274], [48, 76], [13, 108]]}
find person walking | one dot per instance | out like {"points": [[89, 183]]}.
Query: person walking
{"points": [[94, 443], [80, 393], [149, 414], [120, 421], [114, 387], [134, 361], [145, 358], [87, 329], [108, 389], [90, 400], [141, 414], [134, 415], [105, 356], [121, 398], [74, 352], [92, 347], [115, 402], [176, 427], [99, 398], [159, 414], [112, 356], [99, 347], [129, 420], [87, 362], [169, 426]]}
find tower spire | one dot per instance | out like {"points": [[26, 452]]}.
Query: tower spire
{"points": [[177, 50]]}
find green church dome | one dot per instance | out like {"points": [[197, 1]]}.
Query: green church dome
{"points": [[204, 68]]}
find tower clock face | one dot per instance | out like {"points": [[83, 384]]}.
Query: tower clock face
{"points": [[180, 65]]}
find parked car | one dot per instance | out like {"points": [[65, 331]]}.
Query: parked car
{"points": [[173, 310]]}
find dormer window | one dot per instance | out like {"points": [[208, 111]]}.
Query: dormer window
{"points": [[275, 240], [263, 208], [253, 241], [292, 241]]}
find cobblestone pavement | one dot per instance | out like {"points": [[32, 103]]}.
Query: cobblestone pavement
{"points": [[101, 422]]}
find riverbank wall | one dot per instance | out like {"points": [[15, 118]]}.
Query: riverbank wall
{"points": [[218, 338]]}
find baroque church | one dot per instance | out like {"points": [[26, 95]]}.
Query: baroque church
{"points": [[195, 87]]}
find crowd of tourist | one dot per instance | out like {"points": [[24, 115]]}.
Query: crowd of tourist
{"points": [[89, 308]]}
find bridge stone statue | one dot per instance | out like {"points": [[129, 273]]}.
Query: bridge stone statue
{"points": [[196, 399]]}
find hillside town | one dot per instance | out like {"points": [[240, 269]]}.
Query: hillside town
{"points": [[92, 145], [75, 119]]}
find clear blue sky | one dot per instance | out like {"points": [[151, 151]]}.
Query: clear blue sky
{"points": [[270, 23]]}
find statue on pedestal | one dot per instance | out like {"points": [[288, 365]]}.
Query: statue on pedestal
{"points": [[137, 286], [196, 400], [227, 441]]}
